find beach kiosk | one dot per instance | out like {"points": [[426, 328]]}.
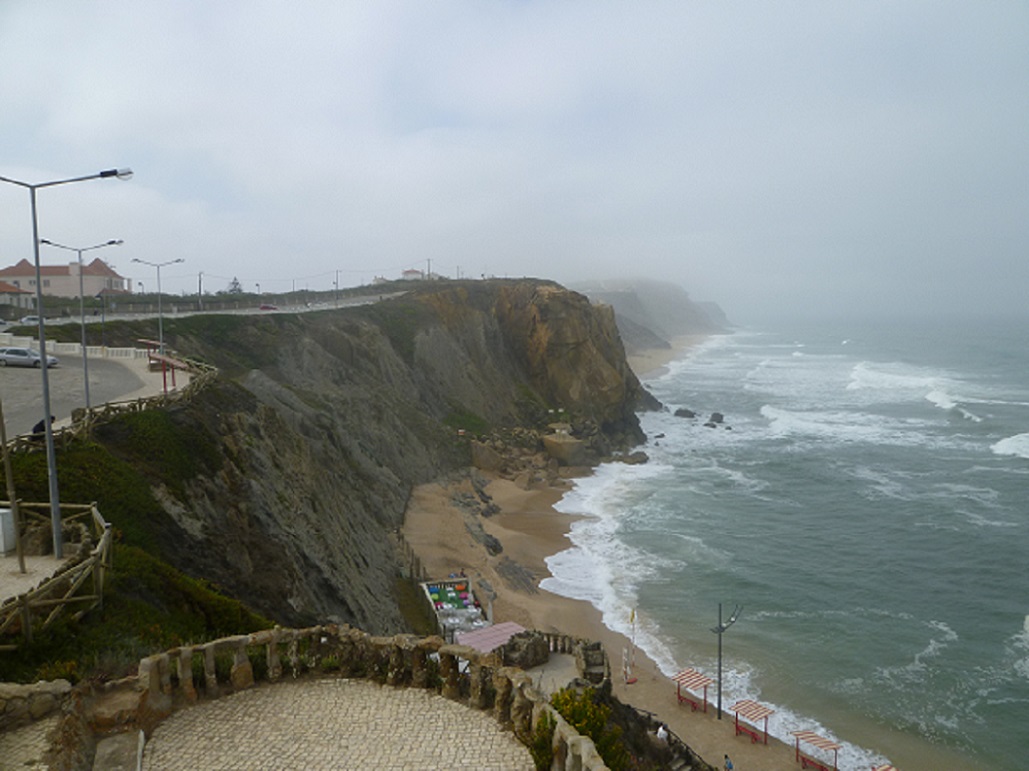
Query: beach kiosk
{"points": [[691, 680], [810, 737], [754, 712]]}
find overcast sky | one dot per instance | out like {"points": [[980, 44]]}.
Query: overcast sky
{"points": [[802, 155]]}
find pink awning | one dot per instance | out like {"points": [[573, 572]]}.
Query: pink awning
{"points": [[751, 710], [817, 741], [692, 680]]}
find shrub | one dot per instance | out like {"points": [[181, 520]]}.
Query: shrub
{"points": [[541, 743], [591, 718]]}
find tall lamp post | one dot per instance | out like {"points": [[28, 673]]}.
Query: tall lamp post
{"points": [[82, 303], [51, 456], [160, 315], [720, 630]]}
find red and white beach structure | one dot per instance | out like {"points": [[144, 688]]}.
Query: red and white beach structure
{"points": [[691, 680], [810, 737], [754, 712]]}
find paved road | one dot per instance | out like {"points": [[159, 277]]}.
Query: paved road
{"points": [[21, 389], [331, 724]]}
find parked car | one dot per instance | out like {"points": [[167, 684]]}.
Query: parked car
{"points": [[24, 357], [28, 321], [268, 307]]}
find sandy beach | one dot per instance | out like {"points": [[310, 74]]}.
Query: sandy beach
{"points": [[530, 530], [651, 362], [442, 534]]}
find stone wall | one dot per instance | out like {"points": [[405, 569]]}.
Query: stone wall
{"points": [[22, 704], [183, 676]]}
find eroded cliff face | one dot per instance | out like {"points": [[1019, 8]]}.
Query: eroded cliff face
{"points": [[324, 421]]}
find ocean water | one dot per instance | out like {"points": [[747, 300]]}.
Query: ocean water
{"points": [[866, 502]]}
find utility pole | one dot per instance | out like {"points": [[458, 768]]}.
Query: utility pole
{"points": [[200, 291]]}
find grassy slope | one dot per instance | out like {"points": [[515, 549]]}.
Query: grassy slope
{"points": [[148, 605]]}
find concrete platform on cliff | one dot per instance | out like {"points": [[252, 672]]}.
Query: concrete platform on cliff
{"points": [[323, 725]]}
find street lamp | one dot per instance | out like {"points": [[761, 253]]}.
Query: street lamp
{"points": [[719, 630], [82, 304], [51, 456], [160, 316]]}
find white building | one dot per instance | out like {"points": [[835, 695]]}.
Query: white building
{"points": [[63, 280]]}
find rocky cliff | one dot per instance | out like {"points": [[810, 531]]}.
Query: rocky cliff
{"points": [[650, 313], [298, 462]]}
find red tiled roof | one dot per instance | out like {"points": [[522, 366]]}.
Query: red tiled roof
{"points": [[20, 269], [25, 268], [6, 288], [99, 268]]}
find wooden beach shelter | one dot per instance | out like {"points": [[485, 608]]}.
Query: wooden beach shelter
{"points": [[754, 712], [810, 737], [691, 680]]}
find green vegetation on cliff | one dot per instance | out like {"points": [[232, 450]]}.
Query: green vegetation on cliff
{"points": [[284, 482], [148, 607]]}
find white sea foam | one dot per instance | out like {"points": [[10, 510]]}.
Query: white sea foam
{"points": [[1017, 445], [916, 671], [866, 375], [850, 405], [941, 399], [840, 426], [1020, 643], [602, 570]]}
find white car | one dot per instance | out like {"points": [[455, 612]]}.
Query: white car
{"points": [[24, 357], [29, 321]]}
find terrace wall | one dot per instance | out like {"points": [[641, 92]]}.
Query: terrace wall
{"points": [[183, 676]]}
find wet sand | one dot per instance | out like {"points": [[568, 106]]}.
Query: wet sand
{"points": [[442, 534]]}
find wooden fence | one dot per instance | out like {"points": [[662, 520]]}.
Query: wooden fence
{"points": [[83, 420], [34, 611], [70, 587]]}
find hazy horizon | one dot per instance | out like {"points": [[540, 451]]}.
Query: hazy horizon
{"points": [[819, 159]]}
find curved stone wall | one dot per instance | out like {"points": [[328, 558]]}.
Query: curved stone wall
{"points": [[183, 676]]}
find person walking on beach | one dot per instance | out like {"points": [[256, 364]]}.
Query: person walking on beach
{"points": [[728, 764]]}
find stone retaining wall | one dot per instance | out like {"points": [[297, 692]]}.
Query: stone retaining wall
{"points": [[22, 704], [182, 676]]}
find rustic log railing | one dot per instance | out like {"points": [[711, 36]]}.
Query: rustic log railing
{"points": [[83, 420], [78, 583]]}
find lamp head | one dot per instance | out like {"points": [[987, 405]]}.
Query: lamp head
{"points": [[119, 173], [114, 242], [45, 241]]}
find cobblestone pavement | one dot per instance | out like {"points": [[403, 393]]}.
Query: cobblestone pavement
{"points": [[333, 724], [23, 748]]}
